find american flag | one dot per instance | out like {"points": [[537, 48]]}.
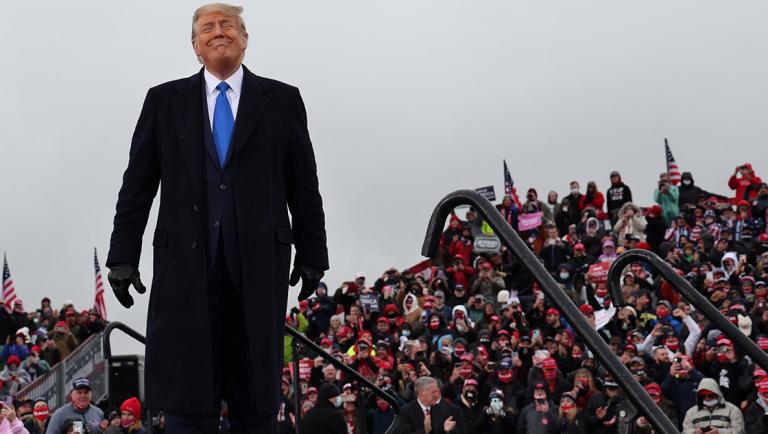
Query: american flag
{"points": [[9, 292], [672, 170], [98, 303], [509, 185]]}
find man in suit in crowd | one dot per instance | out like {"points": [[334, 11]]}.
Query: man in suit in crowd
{"points": [[233, 154], [428, 413]]}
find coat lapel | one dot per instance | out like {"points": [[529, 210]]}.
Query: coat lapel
{"points": [[253, 100], [187, 112]]}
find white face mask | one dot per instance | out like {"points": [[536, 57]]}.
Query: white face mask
{"points": [[564, 276], [338, 402], [575, 190], [496, 404], [406, 333], [710, 402]]}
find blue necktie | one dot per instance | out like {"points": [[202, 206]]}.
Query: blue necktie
{"points": [[223, 123]]}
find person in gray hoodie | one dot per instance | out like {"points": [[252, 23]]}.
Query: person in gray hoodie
{"points": [[712, 411]]}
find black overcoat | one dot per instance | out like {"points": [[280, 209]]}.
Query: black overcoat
{"points": [[274, 170]]}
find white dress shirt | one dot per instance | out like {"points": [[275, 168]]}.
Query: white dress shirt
{"points": [[235, 82]]}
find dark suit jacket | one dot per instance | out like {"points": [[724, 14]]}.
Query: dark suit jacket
{"points": [[412, 418], [273, 170]]}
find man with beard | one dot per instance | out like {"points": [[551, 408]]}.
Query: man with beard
{"points": [[658, 367], [618, 195]]}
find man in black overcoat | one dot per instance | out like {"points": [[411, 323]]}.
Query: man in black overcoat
{"points": [[233, 155]]}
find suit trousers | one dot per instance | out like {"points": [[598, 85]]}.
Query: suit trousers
{"points": [[233, 378]]}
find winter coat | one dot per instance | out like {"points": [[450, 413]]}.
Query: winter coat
{"points": [[756, 417], [533, 422], [726, 417], [597, 201], [668, 201], [634, 226], [742, 184], [618, 195], [668, 410], [682, 392], [323, 419], [15, 427], [22, 351]]}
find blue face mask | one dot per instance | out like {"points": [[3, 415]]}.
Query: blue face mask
{"points": [[338, 402]]}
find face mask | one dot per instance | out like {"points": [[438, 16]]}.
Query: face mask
{"points": [[574, 191], [710, 402], [465, 373], [433, 325], [505, 377], [383, 405], [126, 423], [673, 347], [496, 404], [406, 333], [722, 358], [687, 182], [601, 292], [564, 276], [41, 413], [638, 372], [459, 351], [550, 375], [338, 401], [662, 313], [567, 407], [576, 354], [470, 395]]}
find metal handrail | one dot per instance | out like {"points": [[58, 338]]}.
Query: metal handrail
{"points": [[690, 293], [107, 333], [298, 336], [635, 392]]}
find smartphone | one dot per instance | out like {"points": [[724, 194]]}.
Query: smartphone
{"points": [[77, 427], [8, 401]]}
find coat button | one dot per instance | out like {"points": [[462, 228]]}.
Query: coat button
{"points": [[216, 224], [194, 244], [194, 207], [223, 187]]}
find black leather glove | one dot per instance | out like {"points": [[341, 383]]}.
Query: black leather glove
{"points": [[310, 280], [120, 278]]}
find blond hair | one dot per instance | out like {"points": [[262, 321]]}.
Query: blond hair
{"points": [[229, 10]]}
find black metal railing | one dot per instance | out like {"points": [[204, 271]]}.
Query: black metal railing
{"points": [[552, 290], [362, 382], [690, 293]]}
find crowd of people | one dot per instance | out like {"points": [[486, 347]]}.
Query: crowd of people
{"points": [[36, 341], [504, 360]]}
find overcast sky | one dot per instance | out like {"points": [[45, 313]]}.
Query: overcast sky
{"points": [[406, 100]]}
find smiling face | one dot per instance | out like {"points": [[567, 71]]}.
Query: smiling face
{"points": [[219, 41]]}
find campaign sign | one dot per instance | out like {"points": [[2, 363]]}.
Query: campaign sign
{"points": [[487, 244], [487, 192]]}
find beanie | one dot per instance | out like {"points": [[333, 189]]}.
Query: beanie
{"points": [[133, 406]]}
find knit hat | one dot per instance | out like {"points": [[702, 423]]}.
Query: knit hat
{"points": [[133, 406], [496, 393], [14, 360], [327, 391], [586, 309]]}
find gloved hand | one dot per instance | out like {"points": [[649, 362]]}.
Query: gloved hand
{"points": [[120, 278], [310, 279]]}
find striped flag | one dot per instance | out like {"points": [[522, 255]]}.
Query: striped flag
{"points": [[672, 170], [98, 303], [9, 292], [509, 186]]}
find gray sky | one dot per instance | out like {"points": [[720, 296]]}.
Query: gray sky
{"points": [[406, 101]]}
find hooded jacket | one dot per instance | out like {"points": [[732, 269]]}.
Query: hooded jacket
{"points": [[726, 417], [745, 187], [618, 195], [634, 226]]}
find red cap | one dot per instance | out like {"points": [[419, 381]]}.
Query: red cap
{"points": [[630, 347], [486, 265], [656, 210], [495, 318], [549, 364], [722, 340], [303, 304], [653, 389], [762, 387], [13, 360], [428, 304], [502, 332], [580, 247], [311, 390], [470, 382], [325, 342], [759, 372], [467, 357], [553, 311], [35, 349], [762, 342], [586, 309], [383, 319]]}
